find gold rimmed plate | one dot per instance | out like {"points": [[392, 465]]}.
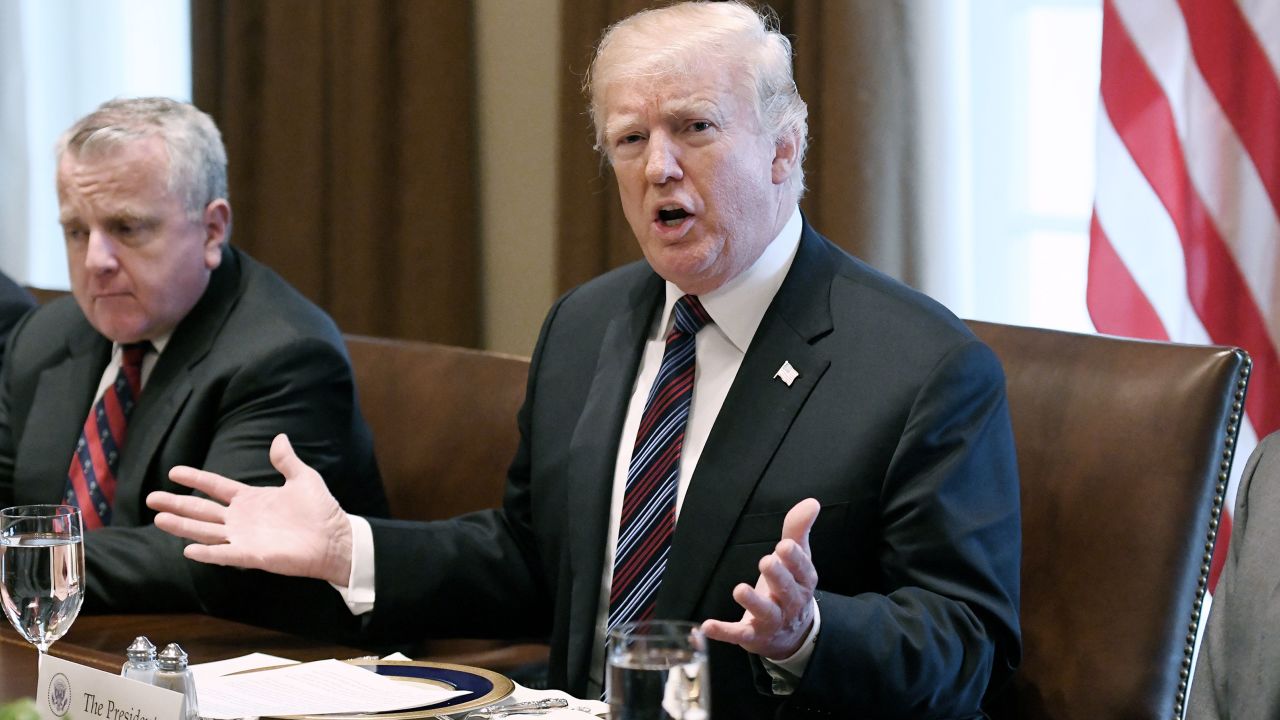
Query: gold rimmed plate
{"points": [[483, 687]]}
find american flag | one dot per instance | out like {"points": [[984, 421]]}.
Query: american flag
{"points": [[1185, 238]]}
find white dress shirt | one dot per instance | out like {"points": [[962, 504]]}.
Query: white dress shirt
{"points": [[736, 310], [112, 371]]}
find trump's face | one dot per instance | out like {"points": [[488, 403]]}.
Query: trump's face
{"points": [[138, 262], [703, 188]]}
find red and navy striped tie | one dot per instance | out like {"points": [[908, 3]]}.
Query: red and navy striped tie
{"points": [[649, 501], [91, 481]]}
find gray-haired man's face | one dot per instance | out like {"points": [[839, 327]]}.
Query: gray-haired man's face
{"points": [[138, 262]]}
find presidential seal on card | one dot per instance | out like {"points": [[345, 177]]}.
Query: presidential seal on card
{"points": [[59, 696]]}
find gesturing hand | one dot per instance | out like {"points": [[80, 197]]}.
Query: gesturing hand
{"points": [[778, 611], [295, 529]]}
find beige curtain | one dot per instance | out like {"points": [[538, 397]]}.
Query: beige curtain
{"points": [[594, 235], [856, 69], [349, 126]]}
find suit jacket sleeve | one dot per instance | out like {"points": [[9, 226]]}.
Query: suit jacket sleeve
{"points": [[14, 302], [1234, 674], [8, 412], [946, 625], [302, 389]]}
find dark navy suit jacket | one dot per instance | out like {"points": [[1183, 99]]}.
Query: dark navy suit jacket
{"points": [[897, 424]]}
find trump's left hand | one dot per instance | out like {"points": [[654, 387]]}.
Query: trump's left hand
{"points": [[778, 611]]}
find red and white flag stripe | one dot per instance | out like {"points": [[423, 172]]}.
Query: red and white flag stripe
{"points": [[1185, 237]]}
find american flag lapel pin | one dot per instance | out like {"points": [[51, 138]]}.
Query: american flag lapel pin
{"points": [[786, 373]]}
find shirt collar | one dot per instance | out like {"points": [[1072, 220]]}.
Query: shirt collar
{"points": [[738, 306], [157, 346]]}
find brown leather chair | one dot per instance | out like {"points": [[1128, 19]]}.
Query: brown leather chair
{"points": [[44, 295], [1124, 447], [444, 430], [443, 420]]}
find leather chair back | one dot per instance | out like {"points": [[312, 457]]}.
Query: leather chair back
{"points": [[1124, 447], [44, 295], [443, 420]]}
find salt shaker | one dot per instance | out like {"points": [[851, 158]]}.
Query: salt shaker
{"points": [[172, 674], [141, 663]]}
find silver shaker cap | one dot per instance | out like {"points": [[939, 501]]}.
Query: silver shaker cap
{"points": [[173, 657], [141, 649]]}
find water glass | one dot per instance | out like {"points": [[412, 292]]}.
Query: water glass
{"points": [[41, 570], [658, 671]]}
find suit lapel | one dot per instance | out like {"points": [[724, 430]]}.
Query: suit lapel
{"points": [[58, 410], [755, 417], [170, 385], [151, 420], [594, 451]]}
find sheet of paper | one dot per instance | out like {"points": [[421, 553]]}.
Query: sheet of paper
{"points": [[252, 661], [327, 686]]}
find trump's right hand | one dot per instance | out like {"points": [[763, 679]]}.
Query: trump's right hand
{"points": [[295, 529]]}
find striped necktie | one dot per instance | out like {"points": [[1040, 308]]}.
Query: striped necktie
{"points": [[91, 481], [649, 500]]}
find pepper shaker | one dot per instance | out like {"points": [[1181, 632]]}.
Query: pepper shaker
{"points": [[141, 662], [172, 674]]}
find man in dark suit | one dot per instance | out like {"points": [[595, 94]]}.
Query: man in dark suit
{"points": [[1235, 673], [824, 403], [14, 303], [224, 354]]}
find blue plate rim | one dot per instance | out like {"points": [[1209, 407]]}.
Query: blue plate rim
{"points": [[500, 686]]}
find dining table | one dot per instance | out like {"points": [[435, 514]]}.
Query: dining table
{"points": [[99, 641]]}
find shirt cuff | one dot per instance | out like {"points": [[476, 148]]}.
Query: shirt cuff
{"points": [[359, 592], [786, 673]]}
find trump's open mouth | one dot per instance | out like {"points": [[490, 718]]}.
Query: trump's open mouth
{"points": [[672, 215]]}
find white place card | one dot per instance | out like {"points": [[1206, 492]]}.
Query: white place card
{"points": [[69, 690]]}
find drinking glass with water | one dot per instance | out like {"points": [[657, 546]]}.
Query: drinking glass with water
{"points": [[41, 570], [658, 671]]}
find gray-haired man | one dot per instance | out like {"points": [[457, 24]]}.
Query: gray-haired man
{"points": [[175, 348]]}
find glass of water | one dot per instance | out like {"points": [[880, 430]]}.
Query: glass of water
{"points": [[41, 570], [658, 671]]}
